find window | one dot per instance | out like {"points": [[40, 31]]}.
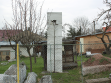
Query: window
{"points": [[3, 53], [7, 53]]}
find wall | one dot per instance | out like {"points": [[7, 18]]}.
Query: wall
{"points": [[24, 51], [12, 52], [92, 43]]}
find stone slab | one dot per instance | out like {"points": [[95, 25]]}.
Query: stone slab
{"points": [[1, 77], [99, 80], [10, 79], [12, 70], [7, 78], [95, 69], [46, 79], [31, 78]]}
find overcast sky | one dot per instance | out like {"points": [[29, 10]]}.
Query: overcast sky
{"points": [[70, 9]]}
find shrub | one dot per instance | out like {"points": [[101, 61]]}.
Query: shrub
{"points": [[22, 56]]}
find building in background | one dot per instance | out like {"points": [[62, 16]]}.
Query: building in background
{"points": [[6, 50], [91, 43]]}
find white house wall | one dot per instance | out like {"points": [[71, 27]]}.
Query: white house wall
{"points": [[82, 42], [12, 52], [24, 51]]}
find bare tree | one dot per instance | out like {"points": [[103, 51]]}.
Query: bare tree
{"points": [[82, 22], [105, 15], [95, 27], [28, 23]]}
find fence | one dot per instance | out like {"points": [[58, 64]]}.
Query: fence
{"points": [[66, 63], [96, 68]]}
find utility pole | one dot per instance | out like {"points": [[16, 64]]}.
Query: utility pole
{"points": [[94, 26], [54, 53], [54, 24]]}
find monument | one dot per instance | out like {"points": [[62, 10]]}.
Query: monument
{"points": [[54, 42]]}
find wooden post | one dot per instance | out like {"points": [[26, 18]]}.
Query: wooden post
{"points": [[17, 63]]}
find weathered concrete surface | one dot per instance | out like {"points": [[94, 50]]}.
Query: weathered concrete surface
{"points": [[54, 52], [1, 77], [31, 78], [12, 70], [95, 69], [10, 79], [46, 79], [99, 80]]}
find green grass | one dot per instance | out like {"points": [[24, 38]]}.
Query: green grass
{"points": [[3, 68], [104, 59], [73, 75], [92, 60], [98, 75], [83, 60], [37, 67], [106, 55]]}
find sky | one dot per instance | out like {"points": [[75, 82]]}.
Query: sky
{"points": [[70, 9]]}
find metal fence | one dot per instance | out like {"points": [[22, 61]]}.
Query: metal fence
{"points": [[66, 63]]}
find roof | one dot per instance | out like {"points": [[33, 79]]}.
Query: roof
{"points": [[6, 43], [108, 30], [91, 34], [68, 42], [4, 36]]}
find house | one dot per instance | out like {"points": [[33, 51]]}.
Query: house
{"points": [[6, 50], [91, 43]]}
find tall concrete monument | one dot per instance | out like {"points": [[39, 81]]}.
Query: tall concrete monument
{"points": [[54, 42]]}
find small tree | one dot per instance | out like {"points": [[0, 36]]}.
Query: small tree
{"points": [[72, 32], [80, 26], [29, 21], [82, 22], [105, 15]]}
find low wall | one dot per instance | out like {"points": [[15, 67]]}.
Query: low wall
{"points": [[95, 69], [99, 80]]}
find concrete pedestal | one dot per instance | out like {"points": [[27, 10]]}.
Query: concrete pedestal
{"points": [[54, 42]]}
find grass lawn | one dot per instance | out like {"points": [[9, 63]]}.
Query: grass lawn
{"points": [[73, 75]]}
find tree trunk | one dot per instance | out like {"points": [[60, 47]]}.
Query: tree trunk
{"points": [[35, 58], [28, 50], [108, 51], [16, 52], [34, 55]]}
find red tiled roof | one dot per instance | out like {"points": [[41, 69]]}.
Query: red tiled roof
{"points": [[108, 30], [4, 36]]}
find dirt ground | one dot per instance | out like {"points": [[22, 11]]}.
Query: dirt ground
{"points": [[97, 59]]}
